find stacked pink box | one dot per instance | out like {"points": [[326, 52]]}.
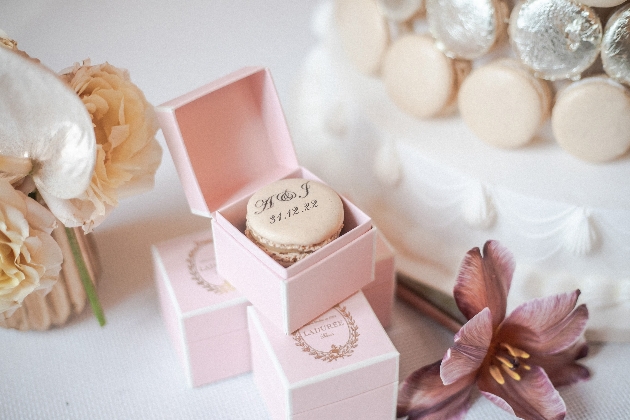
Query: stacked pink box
{"points": [[341, 365], [380, 293], [228, 139], [205, 316]]}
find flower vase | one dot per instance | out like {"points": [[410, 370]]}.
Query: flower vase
{"points": [[67, 297]]}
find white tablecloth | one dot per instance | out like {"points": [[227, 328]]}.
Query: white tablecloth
{"points": [[128, 369]]}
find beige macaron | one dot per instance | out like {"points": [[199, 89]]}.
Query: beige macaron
{"points": [[291, 218], [363, 32], [504, 104], [601, 3], [591, 119], [419, 78], [401, 10]]}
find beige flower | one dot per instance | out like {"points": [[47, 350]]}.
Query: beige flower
{"points": [[127, 152], [30, 259]]}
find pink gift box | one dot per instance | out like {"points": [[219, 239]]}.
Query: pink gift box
{"points": [[205, 316], [342, 365], [380, 293], [228, 139]]}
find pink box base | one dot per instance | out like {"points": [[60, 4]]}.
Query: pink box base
{"points": [[363, 406], [217, 358], [341, 364], [380, 293], [205, 317]]}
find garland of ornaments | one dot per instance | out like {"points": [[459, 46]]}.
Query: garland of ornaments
{"points": [[534, 60]]}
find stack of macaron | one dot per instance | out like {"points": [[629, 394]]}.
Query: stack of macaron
{"points": [[509, 66]]}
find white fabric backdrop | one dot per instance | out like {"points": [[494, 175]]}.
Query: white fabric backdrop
{"points": [[128, 370]]}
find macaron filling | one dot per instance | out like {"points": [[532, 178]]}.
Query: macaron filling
{"points": [[287, 253]]}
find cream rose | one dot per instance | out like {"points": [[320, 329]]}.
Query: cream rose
{"points": [[127, 152], [30, 259]]}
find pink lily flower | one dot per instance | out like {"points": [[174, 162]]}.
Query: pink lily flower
{"points": [[515, 361]]}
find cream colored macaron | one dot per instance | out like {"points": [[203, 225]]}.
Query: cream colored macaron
{"points": [[601, 3], [419, 78], [591, 119], [401, 10], [504, 104], [363, 32], [292, 218]]}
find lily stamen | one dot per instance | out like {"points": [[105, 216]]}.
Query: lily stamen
{"points": [[512, 374], [514, 352], [496, 375], [505, 361]]}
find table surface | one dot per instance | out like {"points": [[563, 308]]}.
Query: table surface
{"points": [[128, 369]]}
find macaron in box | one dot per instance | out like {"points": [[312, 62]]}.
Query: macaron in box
{"points": [[228, 139], [291, 218]]}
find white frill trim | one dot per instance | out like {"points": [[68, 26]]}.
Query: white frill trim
{"points": [[580, 234], [478, 207], [387, 164]]}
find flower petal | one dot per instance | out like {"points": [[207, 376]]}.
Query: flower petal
{"points": [[142, 168], [561, 367], [423, 395], [532, 397], [499, 402], [485, 281], [43, 120], [469, 349], [545, 325], [77, 212]]}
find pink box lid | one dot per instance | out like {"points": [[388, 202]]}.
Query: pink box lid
{"points": [[228, 139], [340, 354], [189, 270]]}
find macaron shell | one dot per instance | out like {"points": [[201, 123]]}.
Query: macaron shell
{"points": [[616, 46], [591, 119], [557, 39], [363, 32], [418, 77], [400, 10], [293, 213], [467, 29], [601, 3], [503, 105]]}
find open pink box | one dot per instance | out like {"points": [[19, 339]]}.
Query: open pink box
{"points": [[228, 139], [342, 365], [380, 293], [205, 316]]}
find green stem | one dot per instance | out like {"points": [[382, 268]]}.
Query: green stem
{"points": [[85, 277]]}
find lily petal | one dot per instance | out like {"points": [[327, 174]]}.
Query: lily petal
{"points": [[499, 402], [485, 281], [423, 395], [469, 348], [547, 325], [532, 397], [561, 367]]}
